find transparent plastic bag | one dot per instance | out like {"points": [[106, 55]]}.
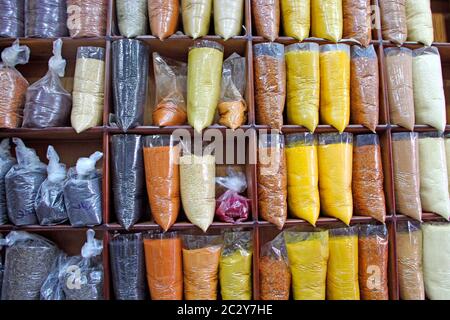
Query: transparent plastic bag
{"points": [[6, 163], [2, 269], [335, 153], [303, 176], [130, 82], [13, 86], [128, 184], [307, 251], [434, 193], [49, 203], [196, 16], [12, 18], [303, 84], [436, 259], [429, 97], [419, 21], [127, 266], [342, 273], [171, 90], [409, 260], [447, 153], [87, 18], [296, 16], [335, 85], [28, 261], [272, 179], [83, 192], [88, 88], [232, 106], [393, 20], [274, 273], [48, 104], [368, 178], [52, 288], [357, 21], [201, 259], [266, 15], [203, 84], [164, 265], [46, 18], [399, 72], [405, 154], [228, 16], [164, 17], [22, 185], [132, 17], [327, 19], [373, 262], [364, 87], [270, 83], [235, 270], [82, 276]]}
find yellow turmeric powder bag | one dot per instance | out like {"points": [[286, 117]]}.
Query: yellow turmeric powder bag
{"points": [[303, 176], [308, 256], [327, 19], [296, 18], [342, 275], [335, 153], [335, 85], [303, 84]]}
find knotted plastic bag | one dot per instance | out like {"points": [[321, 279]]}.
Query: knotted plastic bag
{"points": [[228, 16], [132, 17], [6, 162], [87, 18], [327, 19], [48, 104], [12, 18], [196, 17], [52, 288], [267, 18], [49, 204], [419, 21], [393, 20], [13, 86], [296, 18], [164, 16], [46, 18], [83, 192], [22, 185]]}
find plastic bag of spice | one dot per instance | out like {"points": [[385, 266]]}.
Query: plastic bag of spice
{"points": [[170, 92], [201, 259], [13, 86], [335, 85], [393, 20], [164, 15], [196, 16], [49, 203], [429, 97], [46, 18], [308, 256], [88, 88], [405, 154], [335, 153], [399, 71], [132, 17], [231, 207], [266, 14], [303, 84], [6, 162], [272, 179], [296, 18], [127, 266], [368, 178], [357, 21], [28, 261], [373, 262], [447, 152], [327, 19], [87, 18], [235, 270], [364, 87], [128, 178], [203, 84], [163, 259], [12, 18], [130, 82], [419, 21], [232, 106], [22, 183], [303, 176], [270, 83], [83, 192], [82, 276], [52, 288], [48, 104], [274, 273], [434, 194], [228, 15], [409, 260]]}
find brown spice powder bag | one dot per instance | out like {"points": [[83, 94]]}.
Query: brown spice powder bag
{"points": [[89, 19], [163, 15], [393, 20], [266, 14], [357, 21]]}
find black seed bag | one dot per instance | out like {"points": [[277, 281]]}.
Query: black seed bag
{"points": [[12, 18], [6, 162], [46, 19]]}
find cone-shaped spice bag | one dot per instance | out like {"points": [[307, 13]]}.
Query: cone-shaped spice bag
{"points": [[419, 21], [132, 17], [196, 17], [12, 18], [6, 162], [357, 21], [326, 19], [266, 15], [296, 18], [163, 16], [228, 17], [46, 18], [87, 18], [393, 20]]}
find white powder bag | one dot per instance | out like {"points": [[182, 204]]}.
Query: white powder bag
{"points": [[447, 152], [419, 21]]}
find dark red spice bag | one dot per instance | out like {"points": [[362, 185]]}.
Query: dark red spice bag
{"points": [[87, 18], [266, 14]]}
